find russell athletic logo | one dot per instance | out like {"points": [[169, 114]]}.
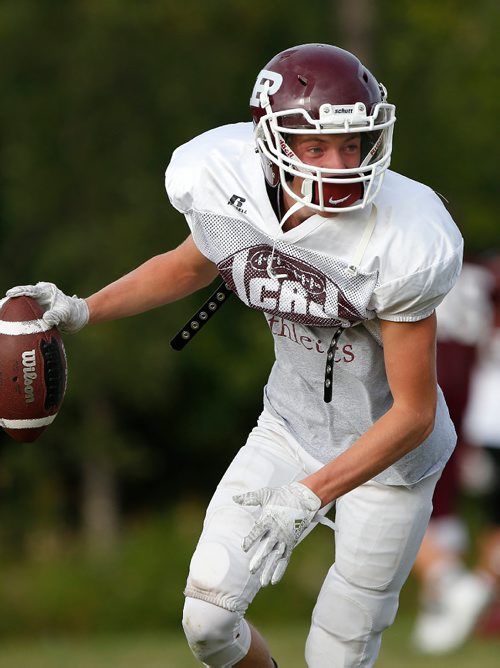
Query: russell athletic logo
{"points": [[29, 374], [237, 201]]}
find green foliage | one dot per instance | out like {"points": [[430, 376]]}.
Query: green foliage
{"points": [[441, 61], [60, 588]]}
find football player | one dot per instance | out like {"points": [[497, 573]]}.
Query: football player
{"points": [[347, 260]]}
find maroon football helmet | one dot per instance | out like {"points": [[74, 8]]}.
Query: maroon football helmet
{"points": [[321, 89]]}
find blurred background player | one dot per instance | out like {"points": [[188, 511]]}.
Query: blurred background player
{"points": [[454, 597], [482, 428]]}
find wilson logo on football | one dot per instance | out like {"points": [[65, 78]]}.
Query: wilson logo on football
{"points": [[29, 373]]}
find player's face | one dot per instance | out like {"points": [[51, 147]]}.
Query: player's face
{"points": [[330, 151]]}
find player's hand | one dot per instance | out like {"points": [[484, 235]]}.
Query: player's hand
{"points": [[68, 314], [286, 513]]}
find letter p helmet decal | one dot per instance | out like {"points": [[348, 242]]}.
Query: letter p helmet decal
{"points": [[275, 80]]}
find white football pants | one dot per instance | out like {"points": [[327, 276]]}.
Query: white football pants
{"points": [[379, 530]]}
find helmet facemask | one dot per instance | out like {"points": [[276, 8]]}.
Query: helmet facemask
{"points": [[323, 189]]}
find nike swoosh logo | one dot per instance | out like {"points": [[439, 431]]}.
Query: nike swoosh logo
{"points": [[338, 201]]}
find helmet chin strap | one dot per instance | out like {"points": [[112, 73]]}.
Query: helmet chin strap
{"points": [[269, 268], [293, 209]]}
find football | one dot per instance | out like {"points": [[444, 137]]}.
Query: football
{"points": [[33, 369]]}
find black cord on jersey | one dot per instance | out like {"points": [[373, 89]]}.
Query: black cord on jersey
{"points": [[201, 317], [330, 361]]}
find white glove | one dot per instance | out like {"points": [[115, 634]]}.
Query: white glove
{"points": [[68, 314], [286, 513]]}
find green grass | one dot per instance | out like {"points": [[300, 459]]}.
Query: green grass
{"points": [[170, 651], [70, 610]]}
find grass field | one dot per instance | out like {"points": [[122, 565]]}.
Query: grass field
{"points": [[169, 651], [70, 611]]}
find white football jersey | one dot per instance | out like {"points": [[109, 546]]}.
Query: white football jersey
{"points": [[395, 260]]}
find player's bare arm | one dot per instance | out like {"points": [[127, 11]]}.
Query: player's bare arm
{"points": [[409, 353], [162, 279]]}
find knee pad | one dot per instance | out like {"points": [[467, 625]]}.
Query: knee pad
{"points": [[219, 638], [347, 624]]}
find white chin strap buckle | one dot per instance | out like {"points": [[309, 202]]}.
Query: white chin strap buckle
{"points": [[307, 189]]}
